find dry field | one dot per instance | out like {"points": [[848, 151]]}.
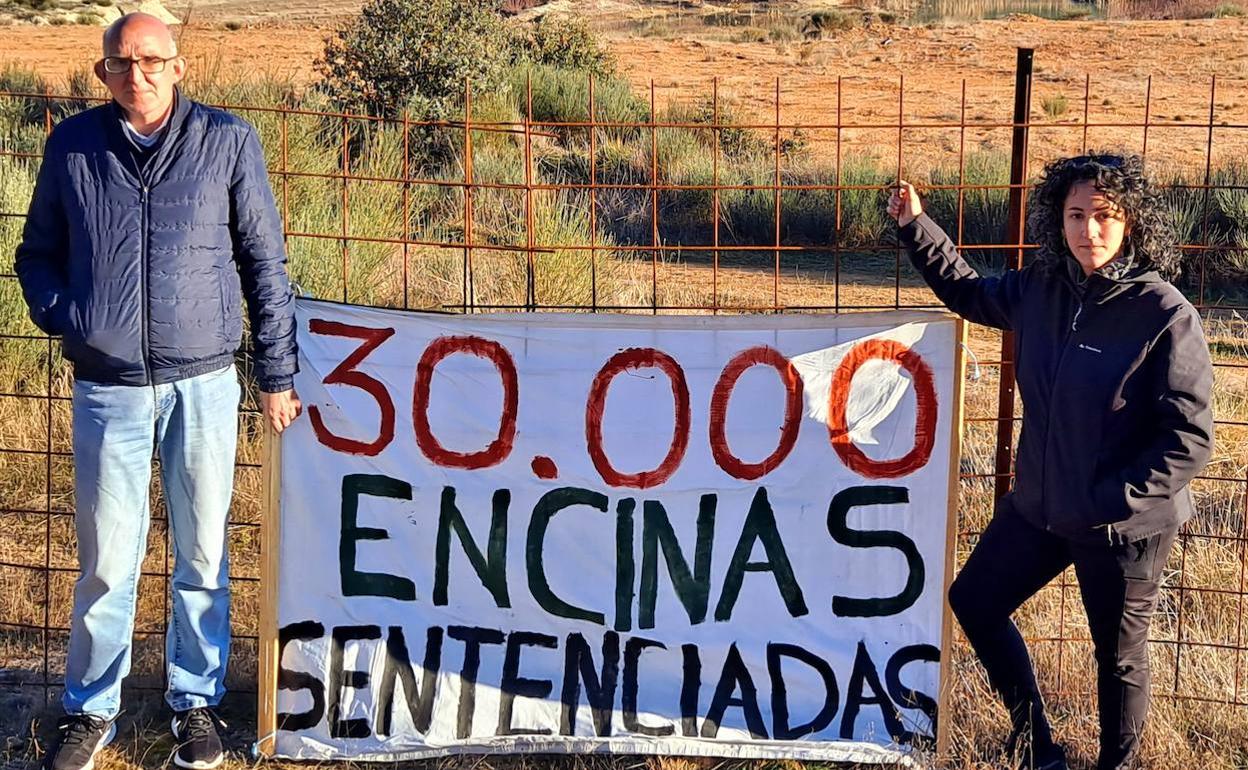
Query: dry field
{"points": [[1118, 56], [868, 62]]}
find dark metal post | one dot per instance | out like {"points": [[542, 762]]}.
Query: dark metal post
{"points": [[1014, 234]]}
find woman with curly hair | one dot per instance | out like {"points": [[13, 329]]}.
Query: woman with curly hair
{"points": [[1115, 379]]}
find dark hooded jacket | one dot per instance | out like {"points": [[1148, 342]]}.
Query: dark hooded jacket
{"points": [[1115, 380], [138, 259]]}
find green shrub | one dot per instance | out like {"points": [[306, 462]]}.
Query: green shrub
{"points": [[1232, 264], [562, 96], [315, 206], [568, 43], [809, 216], [17, 183], [1229, 11], [82, 82], [984, 205], [498, 108], [15, 110], [675, 150], [498, 164], [415, 54], [749, 216], [1217, 216], [734, 142], [806, 216], [683, 158], [864, 220], [1187, 205], [1229, 222], [564, 276], [23, 119], [830, 21]]}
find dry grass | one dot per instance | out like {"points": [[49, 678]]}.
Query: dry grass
{"points": [[1168, 9]]}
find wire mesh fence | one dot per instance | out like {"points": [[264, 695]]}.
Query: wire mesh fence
{"points": [[599, 201]]}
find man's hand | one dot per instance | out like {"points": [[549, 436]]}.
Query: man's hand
{"points": [[280, 409], [904, 204]]}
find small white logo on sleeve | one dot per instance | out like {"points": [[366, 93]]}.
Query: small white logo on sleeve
{"points": [[1089, 347]]}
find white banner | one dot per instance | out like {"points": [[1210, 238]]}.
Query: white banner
{"points": [[568, 532]]}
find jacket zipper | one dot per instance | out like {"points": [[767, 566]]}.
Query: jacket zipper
{"points": [[1048, 427], [145, 300]]}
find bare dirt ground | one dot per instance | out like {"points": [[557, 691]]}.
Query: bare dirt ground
{"points": [[1112, 59], [1117, 56], [55, 52]]}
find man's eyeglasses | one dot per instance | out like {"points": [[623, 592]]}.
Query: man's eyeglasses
{"points": [[150, 65]]}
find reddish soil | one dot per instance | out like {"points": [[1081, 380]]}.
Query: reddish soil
{"points": [[869, 63]]}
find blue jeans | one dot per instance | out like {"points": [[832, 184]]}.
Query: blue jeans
{"points": [[193, 425]]}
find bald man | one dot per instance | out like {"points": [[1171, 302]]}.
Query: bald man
{"points": [[151, 218]]}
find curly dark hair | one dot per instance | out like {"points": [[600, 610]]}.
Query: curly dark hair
{"points": [[1151, 241]]}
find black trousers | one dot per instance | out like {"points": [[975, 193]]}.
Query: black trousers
{"points": [[1118, 581]]}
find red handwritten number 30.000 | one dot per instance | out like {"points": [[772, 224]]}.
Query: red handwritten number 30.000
{"points": [[500, 448]]}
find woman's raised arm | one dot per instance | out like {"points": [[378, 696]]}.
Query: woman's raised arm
{"points": [[989, 301]]}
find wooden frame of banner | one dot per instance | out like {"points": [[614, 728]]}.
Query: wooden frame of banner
{"points": [[951, 538], [270, 549]]}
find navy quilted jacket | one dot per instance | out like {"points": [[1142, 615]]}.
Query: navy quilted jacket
{"points": [[140, 271]]}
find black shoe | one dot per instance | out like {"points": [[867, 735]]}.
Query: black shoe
{"points": [[1056, 760], [79, 738], [199, 746], [1050, 757], [1030, 745]]}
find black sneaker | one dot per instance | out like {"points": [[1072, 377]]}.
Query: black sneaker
{"points": [[1056, 760], [1048, 757], [79, 738], [1032, 747], [199, 746]]}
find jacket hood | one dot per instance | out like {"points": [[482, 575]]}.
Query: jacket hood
{"points": [[1117, 279]]}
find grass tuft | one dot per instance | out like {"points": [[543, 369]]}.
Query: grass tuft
{"points": [[1055, 106]]}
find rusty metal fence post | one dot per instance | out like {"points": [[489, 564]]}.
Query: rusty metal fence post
{"points": [[1013, 235]]}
